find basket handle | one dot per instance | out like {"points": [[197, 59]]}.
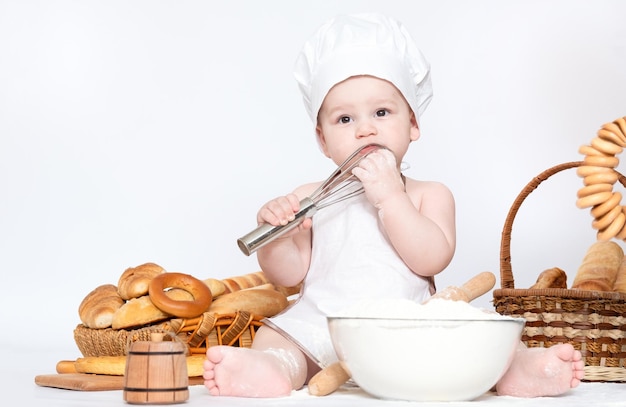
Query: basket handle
{"points": [[506, 271]]}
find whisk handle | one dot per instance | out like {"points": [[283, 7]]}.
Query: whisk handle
{"points": [[266, 233]]}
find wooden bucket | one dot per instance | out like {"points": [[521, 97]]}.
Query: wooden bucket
{"points": [[156, 372]]}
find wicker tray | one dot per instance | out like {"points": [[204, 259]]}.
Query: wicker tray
{"points": [[200, 333], [593, 322]]}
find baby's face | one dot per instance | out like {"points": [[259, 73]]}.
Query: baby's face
{"points": [[363, 110]]}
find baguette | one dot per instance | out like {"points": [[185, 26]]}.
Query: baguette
{"points": [[599, 267], [257, 301], [116, 365]]}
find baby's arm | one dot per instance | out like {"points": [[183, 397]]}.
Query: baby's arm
{"points": [[419, 217], [286, 260], [421, 226]]}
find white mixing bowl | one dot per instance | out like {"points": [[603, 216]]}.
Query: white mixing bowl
{"points": [[425, 359]]}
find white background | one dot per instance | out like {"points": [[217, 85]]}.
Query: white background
{"points": [[136, 131]]}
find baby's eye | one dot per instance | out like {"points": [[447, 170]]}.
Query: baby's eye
{"points": [[382, 113], [344, 119]]}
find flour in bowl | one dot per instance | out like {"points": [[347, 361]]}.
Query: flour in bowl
{"points": [[436, 308]]}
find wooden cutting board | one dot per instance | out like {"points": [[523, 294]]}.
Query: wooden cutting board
{"points": [[90, 382]]}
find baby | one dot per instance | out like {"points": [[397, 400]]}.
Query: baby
{"points": [[363, 81]]}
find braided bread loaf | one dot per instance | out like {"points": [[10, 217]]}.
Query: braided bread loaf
{"points": [[620, 281]]}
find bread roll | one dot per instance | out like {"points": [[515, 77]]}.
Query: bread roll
{"points": [[97, 308], [620, 281], [245, 281], [599, 267], [256, 301], [134, 281], [551, 278], [141, 311]]}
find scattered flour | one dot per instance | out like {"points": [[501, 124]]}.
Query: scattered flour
{"points": [[436, 308]]}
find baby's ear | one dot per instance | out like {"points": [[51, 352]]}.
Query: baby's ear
{"points": [[415, 128], [321, 140]]}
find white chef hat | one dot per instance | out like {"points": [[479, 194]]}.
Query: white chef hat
{"points": [[362, 44]]}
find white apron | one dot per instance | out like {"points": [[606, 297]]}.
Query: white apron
{"points": [[352, 260]]}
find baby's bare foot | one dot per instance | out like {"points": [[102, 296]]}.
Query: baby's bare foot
{"points": [[243, 372], [537, 372]]}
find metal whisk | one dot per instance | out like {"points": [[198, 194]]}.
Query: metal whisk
{"points": [[341, 185]]}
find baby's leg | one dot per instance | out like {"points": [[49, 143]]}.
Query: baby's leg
{"points": [[273, 367], [537, 372]]}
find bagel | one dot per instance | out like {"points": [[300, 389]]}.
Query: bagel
{"points": [[601, 161], [613, 229], [601, 178], [606, 146], [622, 234], [593, 189], [200, 292], [605, 220], [593, 200], [585, 170], [615, 128], [621, 124], [602, 209], [590, 151], [612, 137]]}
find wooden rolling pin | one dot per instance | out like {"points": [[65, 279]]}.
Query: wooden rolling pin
{"points": [[333, 376]]}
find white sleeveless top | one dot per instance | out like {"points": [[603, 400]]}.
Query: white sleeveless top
{"points": [[352, 259]]}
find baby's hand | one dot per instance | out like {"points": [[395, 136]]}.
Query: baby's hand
{"points": [[279, 211], [378, 172]]}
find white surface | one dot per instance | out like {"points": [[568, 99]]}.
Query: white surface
{"points": [[122, 125], [18, 388], [587, 395]]}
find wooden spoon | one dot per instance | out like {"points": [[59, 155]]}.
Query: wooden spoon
{"points": [[333, 376]]}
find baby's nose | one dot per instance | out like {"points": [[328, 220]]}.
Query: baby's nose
{"points": [[366, 129]]}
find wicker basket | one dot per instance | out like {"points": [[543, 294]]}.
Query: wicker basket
{"points": [[593, 322], [200, 333]]}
